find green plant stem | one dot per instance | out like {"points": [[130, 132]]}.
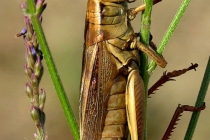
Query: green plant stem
{"points": [[53, 71], [199, 103], [169, 32], [144, 36]]}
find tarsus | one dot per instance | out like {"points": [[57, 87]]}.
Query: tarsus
{"points": [[179, 110], [168, 77]]}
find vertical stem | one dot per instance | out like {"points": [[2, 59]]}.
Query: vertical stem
{"points": [[199, 103], [144, 36]]}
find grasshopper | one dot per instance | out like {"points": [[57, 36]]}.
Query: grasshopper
{"points": [[112, 90]]}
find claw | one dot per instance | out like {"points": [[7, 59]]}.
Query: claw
{"points": [[194, 66]]}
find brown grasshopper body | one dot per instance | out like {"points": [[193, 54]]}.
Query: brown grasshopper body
{"points": [[112, 90]]}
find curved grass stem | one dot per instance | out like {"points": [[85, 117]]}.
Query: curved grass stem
{"points": [[199, 103], [169, 32], [52, 70]]}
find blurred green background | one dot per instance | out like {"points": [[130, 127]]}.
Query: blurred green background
{"points": [[63, 23]]}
